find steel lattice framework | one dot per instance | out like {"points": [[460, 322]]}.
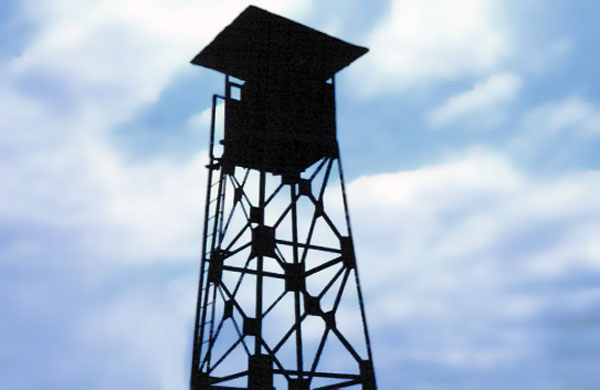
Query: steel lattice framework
{"points": [[279, 299]]}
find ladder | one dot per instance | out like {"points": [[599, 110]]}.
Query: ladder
{"points": [[212, 237]]}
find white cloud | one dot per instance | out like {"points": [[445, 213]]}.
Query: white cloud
{"points": [[448, 255], [124, 212], [557, 132], [201, 121], [572, 115], [423, 41], [462, 245], [470, 204], [483, 101], [132, 329], [451, 238], [113, 56], [89, 67], [541, 56]]}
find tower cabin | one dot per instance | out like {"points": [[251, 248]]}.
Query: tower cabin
{"points": [[282, 120]]}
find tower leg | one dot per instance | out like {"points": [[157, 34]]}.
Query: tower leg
{"points": [[260, 372]]}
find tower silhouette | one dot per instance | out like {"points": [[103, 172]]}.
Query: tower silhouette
{"points": [[279, 300]]}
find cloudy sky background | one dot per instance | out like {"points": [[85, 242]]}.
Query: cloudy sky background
{"points": [[469, 136]]}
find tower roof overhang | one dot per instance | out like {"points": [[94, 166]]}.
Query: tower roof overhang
{"points": [[259, 44]]}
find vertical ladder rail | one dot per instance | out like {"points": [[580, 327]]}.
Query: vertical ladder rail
{"points": [[201, 306]]}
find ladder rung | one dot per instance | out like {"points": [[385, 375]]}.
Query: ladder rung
{"points": [[214, 215]]}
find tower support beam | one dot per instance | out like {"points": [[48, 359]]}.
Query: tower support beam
{"points": [[279, 292]]}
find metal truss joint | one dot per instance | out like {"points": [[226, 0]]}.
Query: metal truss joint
{"points": [[312, 305], [305, 187], [329, 318], [348, 256], [294, 277], [228, 309], [237, 194], [260, 372], [215, 269], [250, 326], [256, 215], [200, 380], [299, 384], [263, 241], [367, 373]]}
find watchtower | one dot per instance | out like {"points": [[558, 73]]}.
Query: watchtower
{"points": [[279, 299]]}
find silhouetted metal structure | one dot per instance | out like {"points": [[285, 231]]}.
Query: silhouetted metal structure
{"points": [[279, 301]]}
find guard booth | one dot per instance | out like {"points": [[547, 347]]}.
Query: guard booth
{"points": [[264, 279], [284, 120], [280, 127]]}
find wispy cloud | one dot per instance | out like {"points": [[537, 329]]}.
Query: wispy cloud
{"points": [[483, 101], [480, 250], [86, 70], [425, 41], [113, 56], [201, 121], [572, 115], [558, 133]]}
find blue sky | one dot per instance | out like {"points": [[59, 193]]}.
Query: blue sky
{"points": [[468, 134]]}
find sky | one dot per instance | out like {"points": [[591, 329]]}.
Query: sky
{"points": [[468, 136]]}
